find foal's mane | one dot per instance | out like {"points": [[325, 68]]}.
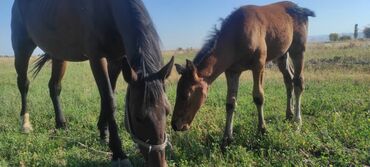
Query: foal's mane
{"points": [[208, 46], [211, 42]]}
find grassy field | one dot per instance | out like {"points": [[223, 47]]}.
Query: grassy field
{"points": [[335, 106]]}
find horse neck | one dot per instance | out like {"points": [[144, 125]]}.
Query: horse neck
{"points": [[138, 34], [211, 67]]}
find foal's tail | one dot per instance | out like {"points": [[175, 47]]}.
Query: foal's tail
{"points": [[39, 63], [299, 11]]}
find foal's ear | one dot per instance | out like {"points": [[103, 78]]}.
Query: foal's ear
{"points": [[190, 65], [192, 69], [128, 73], [166, 70], [180, 69]]}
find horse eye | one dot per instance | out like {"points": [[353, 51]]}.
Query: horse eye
{"points": [[186, 95]]}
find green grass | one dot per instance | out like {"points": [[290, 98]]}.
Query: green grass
{"points": [[335, 106]]}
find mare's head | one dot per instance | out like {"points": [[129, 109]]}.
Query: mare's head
{"points": [[191, 94], [146, 110]]}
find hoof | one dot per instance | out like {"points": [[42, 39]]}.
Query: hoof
{"points": [[104, 140], [298, 124], [27, 128], [26, 124], [298, 121], [121, 163], [104, 136], [289, 116], [262, 130], [225, 143], [62, 125]]}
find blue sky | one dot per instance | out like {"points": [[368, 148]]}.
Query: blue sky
{"points": [[186, 23]]}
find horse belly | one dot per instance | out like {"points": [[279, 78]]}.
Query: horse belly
{"points": [[68, 49], [278, 41], [277, 47], [274, 53], [68, 54]]}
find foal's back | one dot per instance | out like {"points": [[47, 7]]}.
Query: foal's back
{"points": [[271, 28]]}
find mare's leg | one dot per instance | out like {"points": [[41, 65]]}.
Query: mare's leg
{"points": [[286, 70], [258, 93], [23, 47], [100, 71], [55, 87], [232, 92], [114, 69], [297, 54]]}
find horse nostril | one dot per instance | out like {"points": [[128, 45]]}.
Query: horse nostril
{"points": [[185, 127]]}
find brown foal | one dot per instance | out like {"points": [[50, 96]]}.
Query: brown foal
{"points": [[249, 38]]}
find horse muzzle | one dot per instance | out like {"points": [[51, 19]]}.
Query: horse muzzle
{"points": [[179, 126]]}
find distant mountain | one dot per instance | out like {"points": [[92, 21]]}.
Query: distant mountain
{"points": [[318, 38], [325, 38]]}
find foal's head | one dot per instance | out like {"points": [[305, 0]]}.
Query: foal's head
{"points": [[146, 110], [191, 94]]}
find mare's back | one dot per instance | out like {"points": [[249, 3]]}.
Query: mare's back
{"points": [[60, 28]]}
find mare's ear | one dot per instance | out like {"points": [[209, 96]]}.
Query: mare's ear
{"points": [[180, 69], [166, 70], [192, 69], [128, 73]]}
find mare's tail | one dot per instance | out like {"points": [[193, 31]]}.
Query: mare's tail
{"points": [[39, 63]]}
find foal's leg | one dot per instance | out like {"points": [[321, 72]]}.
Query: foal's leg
{"points": [[23, 47], [258, 93], [286, 70], [55, 87], [100, 71], [232, 92], [297, 60], [114, 69]]}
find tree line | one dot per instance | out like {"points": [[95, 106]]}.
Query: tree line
{"points": [[337, 37]]}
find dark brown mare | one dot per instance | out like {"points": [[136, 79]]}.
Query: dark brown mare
{"points": [[97, 31], [248, 38]]}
